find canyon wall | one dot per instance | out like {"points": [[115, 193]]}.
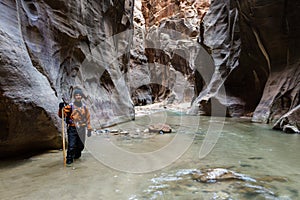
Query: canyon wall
{"points": [[49, 48], [166, 51], [254, 45], [240, 55]]}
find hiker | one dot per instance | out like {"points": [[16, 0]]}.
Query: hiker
{"points": [[78, 120]]}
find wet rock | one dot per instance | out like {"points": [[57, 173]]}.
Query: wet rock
{"points": [[255, 158], [273, 178], [114, 131], [289, 122], [124, 132], [290, 129], [231, 185], [217, 174], [221, 195], [160, 128]]}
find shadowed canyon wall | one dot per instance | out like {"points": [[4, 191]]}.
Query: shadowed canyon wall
{"points": [[254, 45], [48, 48], [126, 53]]}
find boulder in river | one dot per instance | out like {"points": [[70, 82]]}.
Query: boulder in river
{"points": [[160, 128]]}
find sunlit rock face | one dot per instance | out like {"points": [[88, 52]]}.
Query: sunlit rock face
{"points": [[254, 46], [165, 50], [48, 48]]}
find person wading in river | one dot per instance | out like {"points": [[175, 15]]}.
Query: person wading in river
{"points": [[78, 120]]}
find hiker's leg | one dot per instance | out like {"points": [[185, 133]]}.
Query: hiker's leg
{"points": [[72, 136], [80, 142]]}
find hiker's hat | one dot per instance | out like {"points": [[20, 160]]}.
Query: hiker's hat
{"points": [[78, 91]]}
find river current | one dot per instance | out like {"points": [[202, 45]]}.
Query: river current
{"points": [[128, 162]]}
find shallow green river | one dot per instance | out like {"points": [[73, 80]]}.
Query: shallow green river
{"points": [[136, 164], [268, 158]]}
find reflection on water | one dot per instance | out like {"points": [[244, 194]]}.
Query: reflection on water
{"points": [[265, 164]]}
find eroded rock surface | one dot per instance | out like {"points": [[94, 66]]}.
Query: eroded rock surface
{"points": [[47, 48], [255, 56], [165, 50]]}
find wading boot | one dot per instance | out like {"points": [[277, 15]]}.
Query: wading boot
{"points": [[77, 155], [69, 162]]}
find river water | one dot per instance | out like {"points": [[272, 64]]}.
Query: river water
{"points": [[132, 163]]}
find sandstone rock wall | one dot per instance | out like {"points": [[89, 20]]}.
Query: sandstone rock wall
{"points": [[254, 46], [48, 48], [254, 70], [277, 40], [165, 50]]}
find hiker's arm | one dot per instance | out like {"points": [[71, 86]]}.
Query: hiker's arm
{"points": [[88, 120], [66, 110], [60, 107]]}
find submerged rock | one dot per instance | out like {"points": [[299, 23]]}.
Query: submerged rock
{"points": [[218, 174], [232, 185], [273, 178]]}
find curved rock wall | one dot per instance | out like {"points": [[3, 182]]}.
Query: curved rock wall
{"points": [[48, 48], [277, 39], [254, 46]]}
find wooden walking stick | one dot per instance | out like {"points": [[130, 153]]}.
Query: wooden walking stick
{"points": [[63, 136]]}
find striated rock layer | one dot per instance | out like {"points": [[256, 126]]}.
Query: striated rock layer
{"points": [[48, 48], [165, 50], [254, 46]]}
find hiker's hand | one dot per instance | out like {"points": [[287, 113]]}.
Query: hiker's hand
{"points": [[61, 105], [89, 133]]}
